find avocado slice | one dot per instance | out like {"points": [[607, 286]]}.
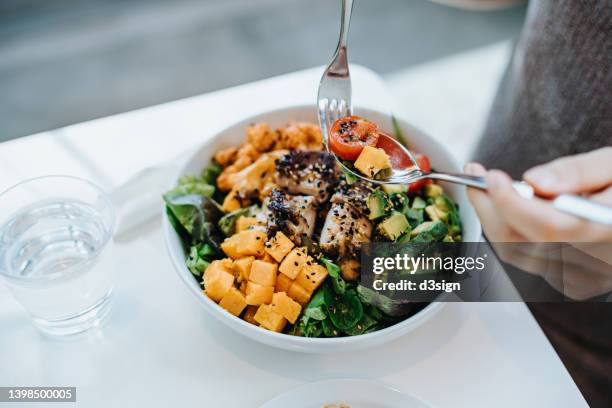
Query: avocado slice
{"points": [[418, 203], [444, 203], [378, 204], [433, 190], [431, 231], [372, 161], [394, 226], [435, 214], [415, 217], [395, 188], [421, 228]]}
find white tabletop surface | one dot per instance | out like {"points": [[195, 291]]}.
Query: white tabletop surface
{"points": [[160, 349]]}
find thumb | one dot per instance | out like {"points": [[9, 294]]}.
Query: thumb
{"points": [[581, 173]]}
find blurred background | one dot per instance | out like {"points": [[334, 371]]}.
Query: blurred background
{"points": [[67, 61]]}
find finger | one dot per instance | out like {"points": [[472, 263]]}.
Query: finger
{"points": [[573, 174], [477, 197], [475, 169], [603, 197], [495, 229], [535, 219]]}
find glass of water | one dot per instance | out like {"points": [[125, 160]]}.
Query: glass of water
{"points": [[56, 238]]}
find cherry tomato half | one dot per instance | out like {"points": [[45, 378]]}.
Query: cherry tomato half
{"points": [[349, 135], [423, 162], [399, 160]]}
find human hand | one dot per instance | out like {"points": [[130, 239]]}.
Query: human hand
{"points": [[579, 271], [507, 217]]}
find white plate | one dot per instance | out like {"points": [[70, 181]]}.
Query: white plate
{"points": [[354, 393], [440, 159]]}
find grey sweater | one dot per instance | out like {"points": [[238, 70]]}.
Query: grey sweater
{"points": [[556, 96], [556, 100]]}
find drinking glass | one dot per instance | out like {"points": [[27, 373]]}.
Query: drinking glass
{"points": [[56, 239]]}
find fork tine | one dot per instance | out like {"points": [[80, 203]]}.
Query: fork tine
{"points": [[323, 117], [342, 109], [333, 113]]}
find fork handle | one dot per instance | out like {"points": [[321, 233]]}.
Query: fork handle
{"points": [[347, 8], [567, 203], [584, 208], [464, 179]]}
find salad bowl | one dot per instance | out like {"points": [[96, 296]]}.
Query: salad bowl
{"points": [[233, 135]]}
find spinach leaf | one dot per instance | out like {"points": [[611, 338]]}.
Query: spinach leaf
{"points": [[316, 307], [364, 325], [198, 215], [350, 178], [387, 305], [308, 328], [316, 313], [211, 172], [328, 328], [176, 224], [198, 259], [345, 312], [400, 201], [334, 271], [227, 223], [454, 220]]}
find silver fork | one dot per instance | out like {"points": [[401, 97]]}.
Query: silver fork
{"points": [[334, 96]]}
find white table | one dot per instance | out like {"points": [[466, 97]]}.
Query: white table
{"points": [[160, 349]]}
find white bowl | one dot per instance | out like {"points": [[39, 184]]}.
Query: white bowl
{"points": [[440, 158]]}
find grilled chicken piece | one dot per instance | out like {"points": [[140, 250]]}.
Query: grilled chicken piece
{"points": [[295, 216], [346, 226], [307, 172], [345, 230], [355, 194]]}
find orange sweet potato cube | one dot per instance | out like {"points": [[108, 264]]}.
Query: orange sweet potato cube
{"points": [[282, 283], [279, 246], [294, 262], [263, 273], [285, 306], [218, 279], [258, 294], [269, 319], [234, 301], [242, 267], [244, 243], [231, 202], [298, 293], [230, 247], [311, 277], [243, 223], [267, 258]]}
